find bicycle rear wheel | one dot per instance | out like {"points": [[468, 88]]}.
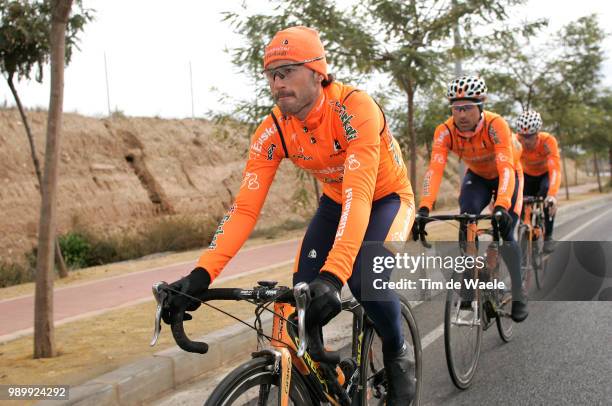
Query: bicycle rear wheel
{"points": [[256, 383], [462, 337], [372, 371]]}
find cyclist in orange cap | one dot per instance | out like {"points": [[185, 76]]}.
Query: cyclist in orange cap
{"points": [[542, 166], [341, 136], [483, 140]]}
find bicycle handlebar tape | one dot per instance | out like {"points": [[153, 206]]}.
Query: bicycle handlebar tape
{"points": [[178, 332], [317, 351]]}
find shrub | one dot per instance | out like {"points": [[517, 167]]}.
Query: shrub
{"points": [[14, 274], [76, 249]]}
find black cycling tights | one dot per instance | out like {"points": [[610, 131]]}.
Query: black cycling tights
{"points": [[318, 241]]}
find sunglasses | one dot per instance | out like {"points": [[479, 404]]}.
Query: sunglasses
{"points": [[464, 107], [285, 71], [527, 135]]}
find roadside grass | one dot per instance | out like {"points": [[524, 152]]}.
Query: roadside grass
{"points": [[90, 347]]}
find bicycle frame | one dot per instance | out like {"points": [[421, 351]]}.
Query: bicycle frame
{"points": [[284, 347]]}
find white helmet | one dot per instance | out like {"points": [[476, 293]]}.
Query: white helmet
{"points": [[467, 87], [529, 122]]}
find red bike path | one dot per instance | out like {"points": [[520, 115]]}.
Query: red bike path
{"points": [[90, 298]]}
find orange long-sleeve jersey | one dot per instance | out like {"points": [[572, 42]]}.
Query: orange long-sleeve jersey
{"points": [[542, 158], [346, 144], [488, 153]]}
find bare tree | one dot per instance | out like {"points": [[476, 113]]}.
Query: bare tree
{"points": [[25, 46], [44, 340]]}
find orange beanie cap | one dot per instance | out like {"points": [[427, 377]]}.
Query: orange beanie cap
{"points": [[297, 44]]}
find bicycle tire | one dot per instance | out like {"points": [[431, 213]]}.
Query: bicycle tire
{"points": [[527, 266], [539, 264], [461, 376], [371, 362], [257, 372], [504, 304]]}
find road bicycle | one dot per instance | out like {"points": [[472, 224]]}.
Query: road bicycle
{"points": [[469, 312], [291, 366], [530, 237]]}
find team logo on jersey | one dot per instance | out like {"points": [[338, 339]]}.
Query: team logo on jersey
{"points": [[312, 254], [337, 149], [442, 136], [427, 182], [219, 231], [353, 163], [349, 132], [493, 135], [271, 149], [439, 158], [502, 158], [250, 180], [267, 133], [333, 180], [301, 155], [348, 199]]}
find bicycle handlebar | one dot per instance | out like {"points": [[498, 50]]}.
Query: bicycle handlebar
{"points": [[259, 294], [465, 217]]}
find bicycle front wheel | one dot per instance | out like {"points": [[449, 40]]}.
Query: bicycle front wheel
{"points": [[462, 336], [256, 383], [527, 265], [539, 262], [372, 375], [503, 299]]}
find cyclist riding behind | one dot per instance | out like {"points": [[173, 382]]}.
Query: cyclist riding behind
{"points": [[542, 166], [483, 140], [341, 136]]}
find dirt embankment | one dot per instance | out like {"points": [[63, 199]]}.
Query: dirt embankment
{"points": [[117, 174]]}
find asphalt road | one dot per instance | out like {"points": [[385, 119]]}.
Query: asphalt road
{"points": [[561, 355]]}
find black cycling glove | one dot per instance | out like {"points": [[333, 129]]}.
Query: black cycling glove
{"points": [[505, 221], [325, 301], [193, 284], [419, 223]]}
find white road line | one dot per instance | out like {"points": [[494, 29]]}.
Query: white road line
{"points": [[585, 225], [432, 336]]}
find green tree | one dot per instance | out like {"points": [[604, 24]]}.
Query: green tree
{"points": [[410, 41], [572, 82], [24, 49]]}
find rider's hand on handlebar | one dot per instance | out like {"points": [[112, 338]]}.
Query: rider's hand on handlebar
{"points": [[551, 203], [504, 221], [325, 301], [419, 223], [193, 285]]}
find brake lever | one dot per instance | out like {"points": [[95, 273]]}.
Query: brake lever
{"points": [[160, 294], [301, 292]]}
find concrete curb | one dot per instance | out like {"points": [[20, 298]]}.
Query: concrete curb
{"points": [[149, 378]]}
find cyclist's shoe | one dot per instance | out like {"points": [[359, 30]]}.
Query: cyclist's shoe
{"points": [[549, 245], [401, 381], [519, 310]]}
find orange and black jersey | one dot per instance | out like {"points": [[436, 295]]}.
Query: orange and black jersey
{"points": [[544, 157], [487, 153], [346, 144]]}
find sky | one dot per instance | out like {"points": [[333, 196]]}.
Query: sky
{"points": [[149, 48]]}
